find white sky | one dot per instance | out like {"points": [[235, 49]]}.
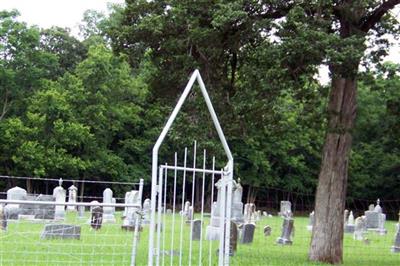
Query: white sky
{"points": [[69, 13]]}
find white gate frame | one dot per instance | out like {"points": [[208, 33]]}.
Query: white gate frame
{"points": [[227, 177]]}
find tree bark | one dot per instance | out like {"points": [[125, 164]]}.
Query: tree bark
{"points": [[327, 235]]}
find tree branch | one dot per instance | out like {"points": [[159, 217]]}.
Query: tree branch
{"points": [[375, 16]]}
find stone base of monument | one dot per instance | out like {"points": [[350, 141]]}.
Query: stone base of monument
{"points": [[379, 231], [349, 228], [27, 217], [212, 233], [283, 241], [61, 231], [109, 219]]}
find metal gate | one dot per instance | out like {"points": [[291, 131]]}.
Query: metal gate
{"points": [[171, 239]]}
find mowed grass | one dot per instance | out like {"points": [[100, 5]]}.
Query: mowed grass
{"points": [[21, 245]]}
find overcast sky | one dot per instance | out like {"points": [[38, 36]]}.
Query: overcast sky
{"points": [[69, 13]]}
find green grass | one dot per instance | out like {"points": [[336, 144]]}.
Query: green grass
{"points": [[21, 245]]}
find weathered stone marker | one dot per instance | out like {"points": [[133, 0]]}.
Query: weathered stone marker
{"points": [[267, 230], [233, 239], [3, 219], [247, 233], [287, 231], [196, 230], [97, 217], [61, 231]]}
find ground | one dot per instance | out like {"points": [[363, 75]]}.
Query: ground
{"points": [[21, 245]]}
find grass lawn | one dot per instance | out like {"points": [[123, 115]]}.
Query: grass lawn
{"points": [[21, 245]]}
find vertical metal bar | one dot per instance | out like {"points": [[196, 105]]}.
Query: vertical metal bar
{"points": [[160, 182], [137, 225], [222, 221], [212, 204], [183, 203], [228, 215], [173, 210], [193, 192], [202, 208], [164, 212]]}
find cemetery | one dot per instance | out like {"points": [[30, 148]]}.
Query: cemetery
{"points": [[201, 133]]}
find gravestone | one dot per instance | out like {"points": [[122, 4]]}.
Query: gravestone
{"points": [[113, 201], [371, 207], [72, 196], [250, 215], [146, 211], [375, 219], [61, 231], [189, 215], [186, 209], [267, 230], [265, 214], [287, 231], [196, 230], [346, 215], [396, 244], [46, 212], [310, 221], [286, 208], [13, 210], [131, 197], [360, 228], [96, 218], [237, 205], [233, 237], [3, 219], [92, 203], [108, 215], [81, 211], [247, 233], [59, 195], [350, 226]]}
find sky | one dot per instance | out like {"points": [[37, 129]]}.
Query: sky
{"points": [[69, 13]]}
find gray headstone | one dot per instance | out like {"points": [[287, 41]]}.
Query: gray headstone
{"points": [[13, 210], [396, 245], [287, 231], [146, 211], [371, 207], [196, 230], [372, 219], [3, 219], [286, 208], [108, 215], [45, 211], [247, 233], [72, 196], [96, 219], [360, 228], [311, 221], [233, 239], [61, 231], [81, 211], [267, 230], [59, 195]]}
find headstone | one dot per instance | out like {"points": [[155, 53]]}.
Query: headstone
{"points": [[247, 233], [350, 226], [129, 221], [372, 219], [108, 215], [237, 205], [375, 220], [81, 211], [13, 210], [59, 195], [396, 244], [3, 219], [146, 211], [267, 230], [96, 219], [186, 209], [250, 214], [61, 231], [196, 230], [265, 214], [360, 228], [287, 231], [233, 239], [371, 207], [93, 202], [72, 196], [286, 208], [113, 201], [45, 211], [310, 221], [189, 215], [346, 216]]}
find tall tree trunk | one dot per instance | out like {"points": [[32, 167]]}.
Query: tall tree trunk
{"points": [[327, 236]]}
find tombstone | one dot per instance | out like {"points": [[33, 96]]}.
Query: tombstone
{"points": [[45, 211], [146, 211], [267, 230], [96, 219], [131, 212], [311, 221], [189, 215], [186, 209], [264, 213], [346, 215], [286, 208], [196, 230], [237, 205], [360, 228], [250, 215], [350, 226], [371, 207], [13, 210], [3, 219], [81, 211], [93, 202], [287, 231], [258, 215], [108, 215], [72, 196], [59, 195], [396, 244], [247, 233], [61, 231], [233, 239], [375, 220]]}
